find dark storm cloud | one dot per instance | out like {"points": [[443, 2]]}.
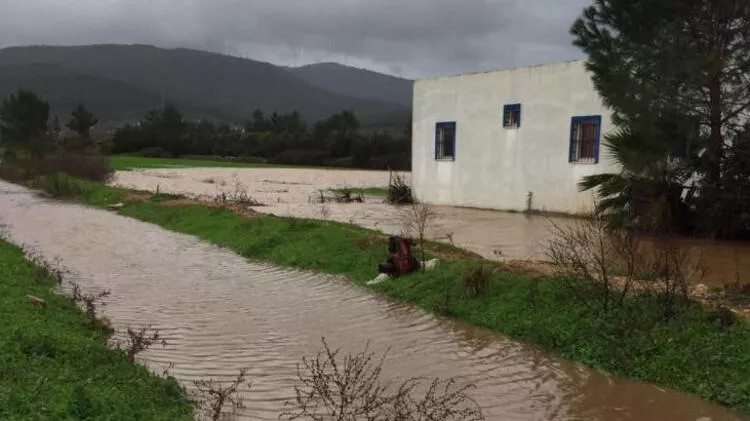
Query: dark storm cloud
{"points": [[409, 37]]}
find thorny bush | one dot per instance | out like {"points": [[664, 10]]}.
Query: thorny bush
{"points": [[212, 396], [603, 265], [350, 389], [90, 303], [139, 340]]}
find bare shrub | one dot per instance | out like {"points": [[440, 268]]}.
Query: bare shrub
{"points": [[139, 340], [90, 303], [165, 373], [212, 397], [584, 254], [672, 267], [338, 195], [342, 390], [602, 265], [399, 192], [444, 400], [46, 271], [416, 218], [343, 195], [477, 281], [349, 389], [240, 196]]}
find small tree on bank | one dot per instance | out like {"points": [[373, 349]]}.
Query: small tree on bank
{"points": [[416, 219]]}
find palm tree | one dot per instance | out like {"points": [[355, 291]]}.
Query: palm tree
{"points": [[650, 190]]}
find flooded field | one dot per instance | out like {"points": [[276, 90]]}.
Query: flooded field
{"points": [[220, 312], [491, 234]]}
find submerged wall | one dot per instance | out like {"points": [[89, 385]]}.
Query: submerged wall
{"points": [[496, 167]]}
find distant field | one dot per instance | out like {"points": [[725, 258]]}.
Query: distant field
{"points": [[375, 191], [127, 162]]}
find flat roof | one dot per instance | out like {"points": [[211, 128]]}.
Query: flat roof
{"points": [[506, 69]]}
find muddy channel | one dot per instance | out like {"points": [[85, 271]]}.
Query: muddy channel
{"points": [[220, 312]]}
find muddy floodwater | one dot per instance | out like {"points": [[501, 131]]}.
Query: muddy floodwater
{"points": [[491, 234], [220, 312]]}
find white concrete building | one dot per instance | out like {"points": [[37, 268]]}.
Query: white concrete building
{"points": [[490, 140]]}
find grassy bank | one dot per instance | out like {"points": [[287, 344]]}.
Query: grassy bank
{"points": [[689, 353], [53, 366]]}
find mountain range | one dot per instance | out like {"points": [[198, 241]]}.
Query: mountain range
{"points": [[119, 83]]}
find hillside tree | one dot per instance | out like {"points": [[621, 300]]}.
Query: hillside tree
{"points": [[171, 129], [82, 121], [24, 120]]}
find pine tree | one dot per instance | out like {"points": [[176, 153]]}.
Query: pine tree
{"points": [[23, 122], [653, 59], [81, 121]]}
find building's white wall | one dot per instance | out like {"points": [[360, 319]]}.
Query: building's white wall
{"points": [[497, 167]]}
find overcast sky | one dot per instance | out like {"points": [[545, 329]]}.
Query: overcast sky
{"points": [[410, 38]]}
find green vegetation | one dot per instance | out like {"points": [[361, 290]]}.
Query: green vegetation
{"points": [[685, 139], [695, 351], [23, 122], [279, 138], [375, 191], [129, 162], [54, 366]]}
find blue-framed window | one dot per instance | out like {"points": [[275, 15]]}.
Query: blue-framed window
{"points": [[512, 116], [585, 133], [445, 141]]}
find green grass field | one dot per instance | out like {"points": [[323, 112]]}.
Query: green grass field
{"points": [[689, 353], [54, 366], [128, 162], [375, 191]]}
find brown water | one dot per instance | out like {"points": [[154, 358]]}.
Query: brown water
{"points": [[491, 234], [220, 312]]}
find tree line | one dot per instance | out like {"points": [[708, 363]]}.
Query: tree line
{"points": [[33, 145], [676, 75], [26, 127], [278, 138]]}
